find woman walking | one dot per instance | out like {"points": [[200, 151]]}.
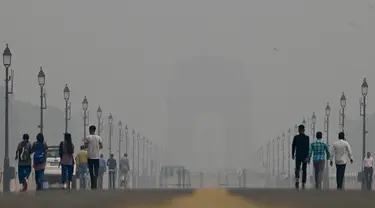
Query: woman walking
{"points": [[66, 151], [39, 149]]}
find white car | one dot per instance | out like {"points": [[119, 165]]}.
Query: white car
{"points": [[52, 173]]}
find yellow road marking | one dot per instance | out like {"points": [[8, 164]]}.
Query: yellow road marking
{"points": [[204, 198]]}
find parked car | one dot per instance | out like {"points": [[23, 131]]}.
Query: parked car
{"points": [[52, 173]]}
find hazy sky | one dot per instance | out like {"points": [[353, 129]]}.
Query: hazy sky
{"points": [[123, 55]]}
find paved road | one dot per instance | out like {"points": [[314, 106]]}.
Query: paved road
{"points": [[146, 197], [308, 198]]}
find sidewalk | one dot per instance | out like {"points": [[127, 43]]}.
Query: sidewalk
{"points": [[174, 198]]}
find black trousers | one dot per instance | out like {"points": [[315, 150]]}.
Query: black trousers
{"points": [[368, 177], [340, 173], [94, 172], [301, 162]]}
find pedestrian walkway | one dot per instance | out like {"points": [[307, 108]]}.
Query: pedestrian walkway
{"points": [[205, 198], [212, 198]]}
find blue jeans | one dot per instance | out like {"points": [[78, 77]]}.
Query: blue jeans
{"points": [[112, 179], [66, 173], [82, 170], [39, 178], [23, 173]]}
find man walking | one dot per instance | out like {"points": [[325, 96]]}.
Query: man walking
{"points": [[340, 152], [94, 144], [300, 152], [124, 169], [112, 168], [368, 164], [318, 149], [102, 170], [23, 155]]}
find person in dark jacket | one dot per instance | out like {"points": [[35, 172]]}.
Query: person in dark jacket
{"points": [[300, 152], [112, 169]]}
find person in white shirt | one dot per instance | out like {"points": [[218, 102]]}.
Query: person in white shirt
{"points": [[368, 164], [341, 151], [93, 144]]}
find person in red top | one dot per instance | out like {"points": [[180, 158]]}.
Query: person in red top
{"points": [[368, 164]]}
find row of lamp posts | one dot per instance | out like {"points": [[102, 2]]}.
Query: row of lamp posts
{"points": [[9, 77], [270, 146], [143, 145]]}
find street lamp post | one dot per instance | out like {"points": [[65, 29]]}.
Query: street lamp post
{"points": [[99, 113], [269, 157], [119, 139], [119, 148], [289, 144], [158, 159], [273, 157], [261, 156], [85, 106], [7, 60], [150, 148], [326, 129], [342, 111], [133, 161], [313, 123], [363, 105], [304, 124], [147, 156], [283, 150], [68, 109], [126, 139], [295, 131], [43, 96], [278, 155], [110, 122], [138, 141], [143, 155]]}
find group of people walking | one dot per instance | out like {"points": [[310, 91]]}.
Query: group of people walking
{"points": [[26, 161], [88, 161], [340, 153], [122, 171], [35, 155]]}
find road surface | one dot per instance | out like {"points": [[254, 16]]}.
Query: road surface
{"points": [[191, 198]]}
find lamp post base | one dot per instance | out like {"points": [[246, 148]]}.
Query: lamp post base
{"points": [[325, 181], [6, 175]]}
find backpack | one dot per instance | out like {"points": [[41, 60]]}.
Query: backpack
{"points": [[24, 153], [40, 153]]}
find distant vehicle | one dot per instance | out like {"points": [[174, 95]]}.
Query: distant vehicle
{"points": [[52, 173]]}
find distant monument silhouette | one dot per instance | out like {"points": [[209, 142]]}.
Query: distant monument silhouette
{"points": [[208, 88]]}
